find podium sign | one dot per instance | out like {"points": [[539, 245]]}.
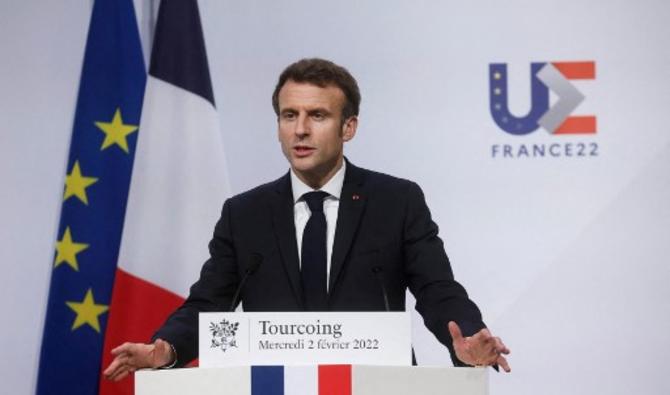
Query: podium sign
{"points": [[369, 338]]}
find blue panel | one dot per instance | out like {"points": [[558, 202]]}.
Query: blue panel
{"points": [[267, 380]]}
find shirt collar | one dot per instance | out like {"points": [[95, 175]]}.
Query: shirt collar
{"points": [[332, 187]]}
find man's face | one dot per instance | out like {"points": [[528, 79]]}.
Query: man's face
{"points": [[311, 130]]}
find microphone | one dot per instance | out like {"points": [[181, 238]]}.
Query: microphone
{"points": [[254, 262], [377, 270]]}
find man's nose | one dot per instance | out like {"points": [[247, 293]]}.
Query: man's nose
{"points": [[302, 127]]}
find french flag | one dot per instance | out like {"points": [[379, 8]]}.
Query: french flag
{"points": [[177, 188]]}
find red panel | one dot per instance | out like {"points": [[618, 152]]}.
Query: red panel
{"points": [[334, 379], [137, 309], [578, 125], [577, 70]]}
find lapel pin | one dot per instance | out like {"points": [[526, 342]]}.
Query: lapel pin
{"points": [[355, 197]]}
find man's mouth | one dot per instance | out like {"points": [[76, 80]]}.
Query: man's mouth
{"points": [[302, 150]]}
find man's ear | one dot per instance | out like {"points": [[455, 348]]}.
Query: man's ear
{"points": [[349, 128], [278, 130]]}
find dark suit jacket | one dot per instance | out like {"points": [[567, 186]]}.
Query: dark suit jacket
{"points": [[383, 222]]}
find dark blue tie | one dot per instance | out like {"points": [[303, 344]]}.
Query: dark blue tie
{"points": [[313, 255]]}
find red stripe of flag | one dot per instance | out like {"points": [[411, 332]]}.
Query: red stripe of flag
{"points": [[137, 309]]}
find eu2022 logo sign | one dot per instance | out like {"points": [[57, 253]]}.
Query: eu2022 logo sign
{"points": [[553, 116]]}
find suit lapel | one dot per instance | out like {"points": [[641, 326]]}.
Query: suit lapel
{"points": [[352, 204], [284, 227]]}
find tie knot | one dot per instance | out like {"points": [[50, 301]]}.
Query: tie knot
{"points": [[315, 200]]}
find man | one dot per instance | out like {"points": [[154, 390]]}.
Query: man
{"points": [[326, 236]]}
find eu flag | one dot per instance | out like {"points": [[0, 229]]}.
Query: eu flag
{"points": [[97, 179]]}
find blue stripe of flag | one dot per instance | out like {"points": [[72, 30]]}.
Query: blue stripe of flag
{"points": [[267, 380], [179, 56]]}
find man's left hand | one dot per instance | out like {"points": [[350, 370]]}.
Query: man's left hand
{"points": [[481, 349]]}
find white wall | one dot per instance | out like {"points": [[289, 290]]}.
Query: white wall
{"points": [[565, 256], [42, 46]]}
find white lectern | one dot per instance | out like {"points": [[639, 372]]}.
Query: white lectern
{"points": [[360, 380]]}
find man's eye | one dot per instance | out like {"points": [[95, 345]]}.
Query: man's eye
{"points": [[318, 116], [288, 116]]}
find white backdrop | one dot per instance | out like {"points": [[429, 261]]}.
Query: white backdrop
{"points": [[566, 256]]}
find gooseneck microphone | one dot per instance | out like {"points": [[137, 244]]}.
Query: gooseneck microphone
{"points": [[377, 270], [254, 262]]}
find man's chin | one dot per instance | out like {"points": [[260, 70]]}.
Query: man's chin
{"points": [[304, 164]]}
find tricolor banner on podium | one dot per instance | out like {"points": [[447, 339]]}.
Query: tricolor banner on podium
{"points": [[314, 379], [301, 380]]}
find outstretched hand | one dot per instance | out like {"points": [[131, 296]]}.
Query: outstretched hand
{"points": [[130, 357], [481, 349]]}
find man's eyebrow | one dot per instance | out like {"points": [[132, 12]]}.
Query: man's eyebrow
{"points": [[322, 110]]}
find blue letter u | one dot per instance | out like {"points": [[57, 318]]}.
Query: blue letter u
{"points": [[499, 105]]}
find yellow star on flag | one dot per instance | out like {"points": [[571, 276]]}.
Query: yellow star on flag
{"points": [[116, 131], [87, 311], [67, 250], [76, 184]]}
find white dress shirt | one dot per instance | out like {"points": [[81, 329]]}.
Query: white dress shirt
{"points": [[331, 204]]}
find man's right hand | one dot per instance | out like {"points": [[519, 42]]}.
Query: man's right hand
{"points": [[130, 357]]}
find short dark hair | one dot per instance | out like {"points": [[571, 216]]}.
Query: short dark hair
{"points": [[321, 72]]}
